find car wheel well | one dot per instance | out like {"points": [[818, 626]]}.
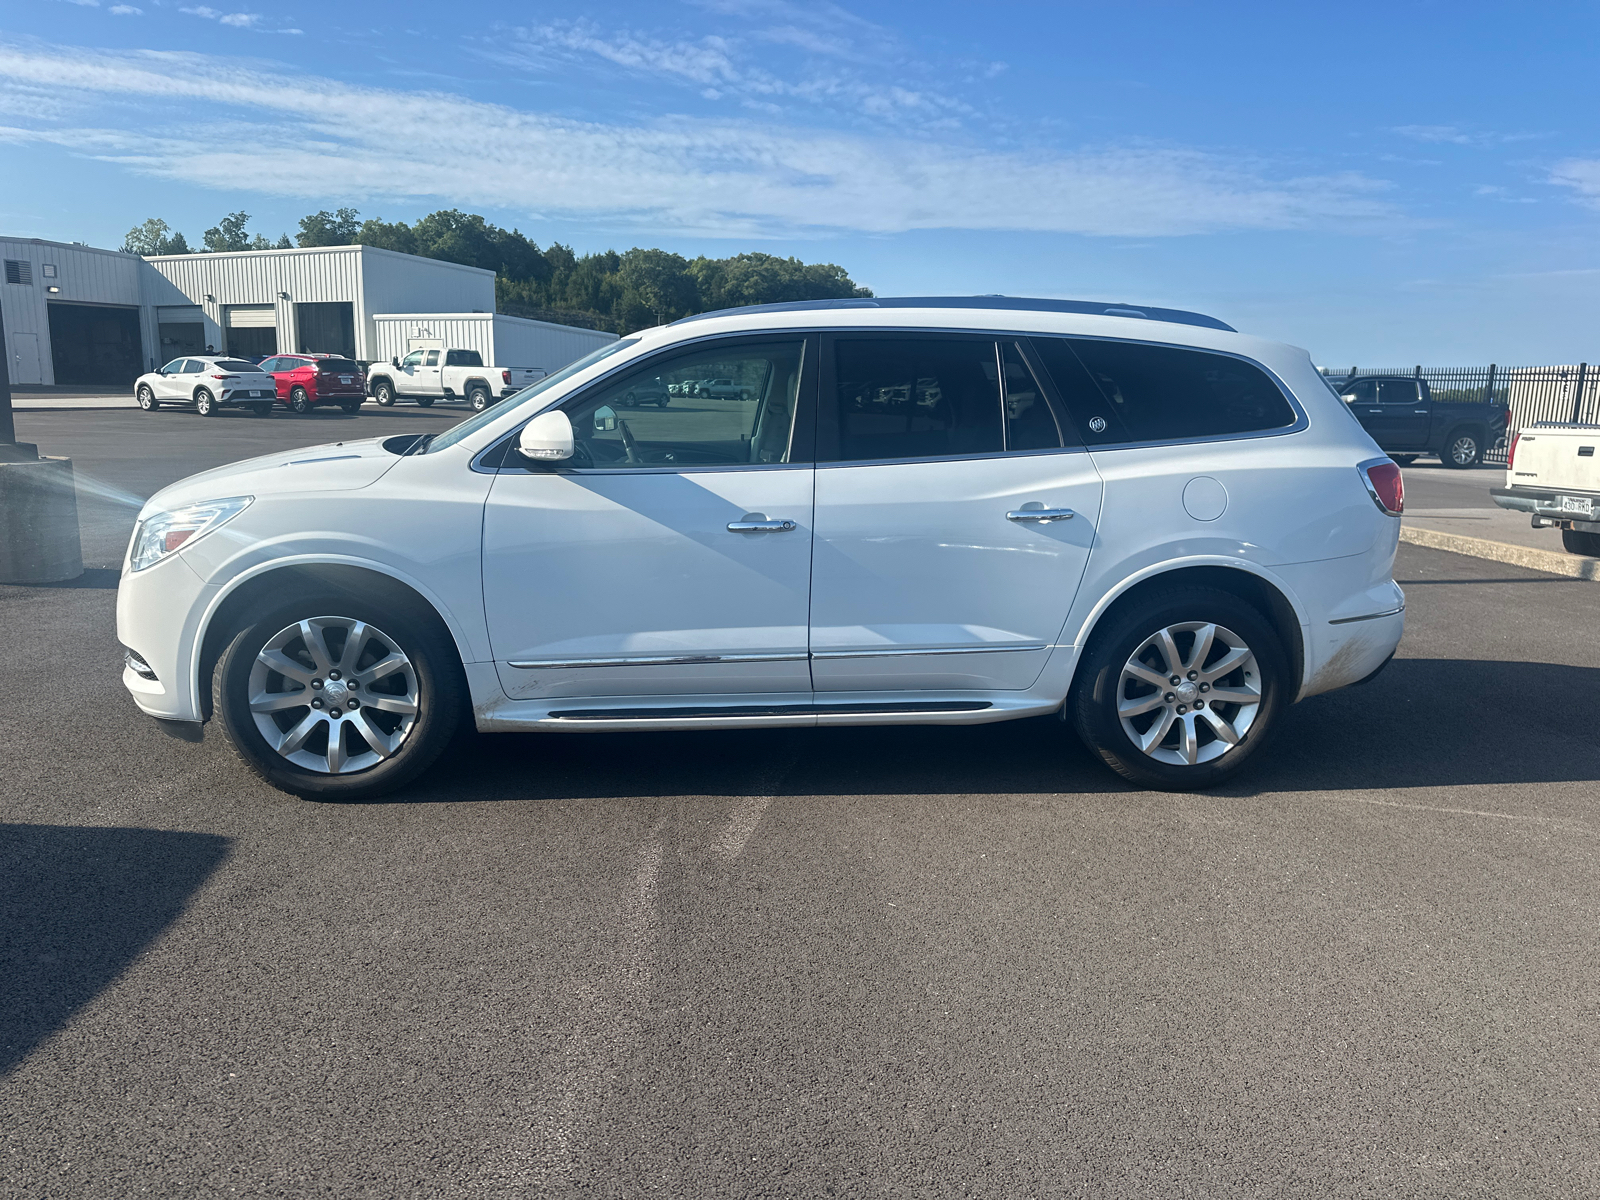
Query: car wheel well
{"points": [[1252, 589], [237, 609]]}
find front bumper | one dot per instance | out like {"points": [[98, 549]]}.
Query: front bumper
{"points": [[159, 614]]}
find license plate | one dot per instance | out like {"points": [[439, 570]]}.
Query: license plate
{"points": [[346, 379], [1582, 505]]}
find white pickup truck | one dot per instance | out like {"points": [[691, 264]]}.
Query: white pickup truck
{"points": [[431, 371], [1552, 472]]}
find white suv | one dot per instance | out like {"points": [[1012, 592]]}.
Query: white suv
{"points": [[932, 511]]}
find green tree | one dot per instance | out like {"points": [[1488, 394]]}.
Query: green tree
{"points": [[153, 237], [386, 235], [228, 234], [283, 243], [658, 282], [324, 228]]}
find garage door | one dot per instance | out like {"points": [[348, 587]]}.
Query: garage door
{"points": [[251, 329], [181, 330], [94, 343]]}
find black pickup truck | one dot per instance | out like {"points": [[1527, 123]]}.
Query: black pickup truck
{"points": [[1406, 421]]}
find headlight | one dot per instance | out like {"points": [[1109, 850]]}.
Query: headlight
{"points": [[161, 533]]}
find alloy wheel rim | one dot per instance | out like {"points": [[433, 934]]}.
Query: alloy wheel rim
{"points": [[1464, 450], [333, 695], [1189, 693]]}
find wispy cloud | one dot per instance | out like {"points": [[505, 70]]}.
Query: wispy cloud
{"points": [[1582, 175], [1455, 136], [125, 10], [239, 20], [843, 67], [712, 176]]}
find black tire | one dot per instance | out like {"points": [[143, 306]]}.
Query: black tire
{"points": [[425, 401], [147, 398], [383, 393], [1405, 460], [352, 408], [663, 400], [300, 401], [204, 402], [1462, 450], [261, 410], [478, 398], [1099, 687], [1576, 541], [440, 698]]}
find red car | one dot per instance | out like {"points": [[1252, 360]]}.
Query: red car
{"points": [[307, 380]]}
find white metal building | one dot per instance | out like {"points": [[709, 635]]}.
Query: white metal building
{"points": [[82, 316], [73, 314], [502, 340]]}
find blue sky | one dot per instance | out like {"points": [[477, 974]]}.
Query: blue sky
{"points": [[1382, 184]]}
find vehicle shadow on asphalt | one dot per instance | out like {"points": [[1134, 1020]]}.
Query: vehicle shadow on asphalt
{"points": [[77, 906], [1422, 723]]}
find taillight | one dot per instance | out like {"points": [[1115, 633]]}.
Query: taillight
{"points": [[505, 378], [224, 377], [1511, 454], [1385, 485]]}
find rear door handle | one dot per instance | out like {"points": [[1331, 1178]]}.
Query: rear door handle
{"points": [[1042, 516], [760, 524]]}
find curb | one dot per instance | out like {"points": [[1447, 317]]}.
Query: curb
{"points": [[1574, 566]]}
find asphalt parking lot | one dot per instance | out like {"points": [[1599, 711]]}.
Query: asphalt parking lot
{"points": [[850, 962]]}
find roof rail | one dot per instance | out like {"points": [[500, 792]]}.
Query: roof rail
{"points": [[1176, 316]]}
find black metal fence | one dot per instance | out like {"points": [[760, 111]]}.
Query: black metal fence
{"points": [[1533, 394]]}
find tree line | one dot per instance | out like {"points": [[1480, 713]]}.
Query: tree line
{"points": [[619, 292]]}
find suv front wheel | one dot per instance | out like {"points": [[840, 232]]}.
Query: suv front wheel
{"points": [[1180, 689], [337, 698]]}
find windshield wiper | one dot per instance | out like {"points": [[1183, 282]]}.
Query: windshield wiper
{"points": [[418, 446]]}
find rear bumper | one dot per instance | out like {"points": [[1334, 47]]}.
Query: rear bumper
{"points": [[1546, 502]]}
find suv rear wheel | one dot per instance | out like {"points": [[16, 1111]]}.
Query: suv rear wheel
{"points": [[300, 400], [335, 697], [1181, 689], [205, 403]]}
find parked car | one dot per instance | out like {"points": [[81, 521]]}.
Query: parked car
{"points": [[647, 391], [307, 381], [1403, 416], [462, 375], [1552, 473], [1158, 528], [727, 389], [207, 384]]}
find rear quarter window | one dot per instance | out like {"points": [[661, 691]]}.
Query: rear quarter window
{"points": [[1136, 392]]}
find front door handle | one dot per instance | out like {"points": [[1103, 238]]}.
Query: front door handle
{"points": [[1041, 515], [756, 523]]}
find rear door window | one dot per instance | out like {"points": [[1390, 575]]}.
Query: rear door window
{"points": [[433, 359], [462, 358], [1397, 391], [915, 397], [1123, 392]]}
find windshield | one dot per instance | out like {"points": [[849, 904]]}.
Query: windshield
{"points": [[449, 438]]}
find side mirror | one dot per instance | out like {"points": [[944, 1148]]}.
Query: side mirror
{"points": [[395, 361], [546, 438], [605, 419]]}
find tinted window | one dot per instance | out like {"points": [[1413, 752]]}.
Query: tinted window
{"points": [[433, 359], [192, 366], [1365, 391], [1135, 392], [269, 365], [337, 365], [463, 358], [1030, 425], [235, 364], [643, 419], [1397, 391], [916, 397]]}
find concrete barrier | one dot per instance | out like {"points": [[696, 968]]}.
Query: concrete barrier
{"points": [[39, 540], [1574, 566]]}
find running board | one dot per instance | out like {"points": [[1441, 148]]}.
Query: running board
{"points": [[782, 710]]}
